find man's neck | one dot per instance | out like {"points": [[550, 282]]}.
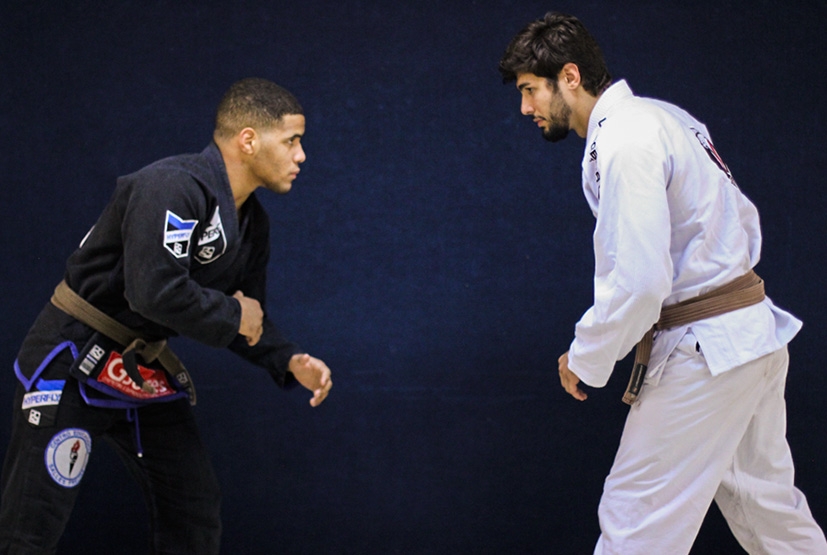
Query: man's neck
{"points": [[238, 173], [581, 112]]}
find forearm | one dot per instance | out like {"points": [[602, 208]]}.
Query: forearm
{"points": [[272, 352]]}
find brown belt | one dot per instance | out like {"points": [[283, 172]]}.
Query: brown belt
{"points": [[76, 306], [742, 292]]}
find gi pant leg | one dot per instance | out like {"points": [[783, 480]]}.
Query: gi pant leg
{"points": [[680, 448], [757, 496], [175, 474], [176, 477], [45, 461]]}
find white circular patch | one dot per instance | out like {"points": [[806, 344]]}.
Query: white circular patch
{"points": [[67, 455]]}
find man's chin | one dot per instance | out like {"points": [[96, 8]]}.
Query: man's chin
{"points": [[280, 188], [555, 135]]}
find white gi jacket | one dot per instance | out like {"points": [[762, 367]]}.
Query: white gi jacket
{"points": [[671, 225]]}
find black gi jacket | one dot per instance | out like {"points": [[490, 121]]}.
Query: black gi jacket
{"points": [[168, 252]]}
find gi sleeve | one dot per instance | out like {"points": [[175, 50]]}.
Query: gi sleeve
{"points": [[272, 352], [159, 220], [633, 267]]}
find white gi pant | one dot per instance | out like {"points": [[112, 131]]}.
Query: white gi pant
{"points": [[694, 437]]}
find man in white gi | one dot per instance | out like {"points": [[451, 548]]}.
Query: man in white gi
{"points": [[671, 226]]}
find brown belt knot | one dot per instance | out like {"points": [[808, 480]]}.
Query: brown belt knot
{"points": [[742, 292], [76, 306]]}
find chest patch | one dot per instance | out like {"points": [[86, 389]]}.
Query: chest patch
{"points": [[178, 234], [213, 241]]}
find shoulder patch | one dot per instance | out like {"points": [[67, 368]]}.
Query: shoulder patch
{"points": [[213, 241], [706, 143], [178, 234], [67, 455]]}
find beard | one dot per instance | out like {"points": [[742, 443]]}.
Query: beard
{"points": [[556, 132], [558, 125]]}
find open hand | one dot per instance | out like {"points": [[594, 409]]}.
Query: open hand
{"points": [[313, 374]]}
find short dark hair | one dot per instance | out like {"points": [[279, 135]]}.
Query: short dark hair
{"points": [[546, 45], [253, 102]]}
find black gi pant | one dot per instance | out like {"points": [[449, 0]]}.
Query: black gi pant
{"points": [[174, 471]]}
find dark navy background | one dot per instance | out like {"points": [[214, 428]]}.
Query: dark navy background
{"points": [[435, 252]]}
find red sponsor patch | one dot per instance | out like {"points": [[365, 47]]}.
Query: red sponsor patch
{"points": [[114, 375]]}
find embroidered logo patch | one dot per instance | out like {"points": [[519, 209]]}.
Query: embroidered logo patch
{"points": [[213, 242], [712, 153], [67, 455], [114, 375], [177, 234], [42, 402], [41, 399]]}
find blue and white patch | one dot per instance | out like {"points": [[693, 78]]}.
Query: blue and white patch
{"points": [[37, 399], [213, 242], [67, 455], [178, 234], [42, 402]]}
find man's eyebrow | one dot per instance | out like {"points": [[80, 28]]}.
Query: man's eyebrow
{"points": [[521, 86]]}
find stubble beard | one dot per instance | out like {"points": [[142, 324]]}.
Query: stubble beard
{"points": [[558, 128], [555, 133]]}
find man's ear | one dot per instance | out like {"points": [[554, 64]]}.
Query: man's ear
{"points": [[569, 76], [247, 141]]}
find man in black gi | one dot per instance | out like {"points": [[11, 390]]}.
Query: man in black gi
{"points": [[181, 248]]}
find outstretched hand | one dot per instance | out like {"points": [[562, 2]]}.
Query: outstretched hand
{"points": [[569, 379], [313, 374]]}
